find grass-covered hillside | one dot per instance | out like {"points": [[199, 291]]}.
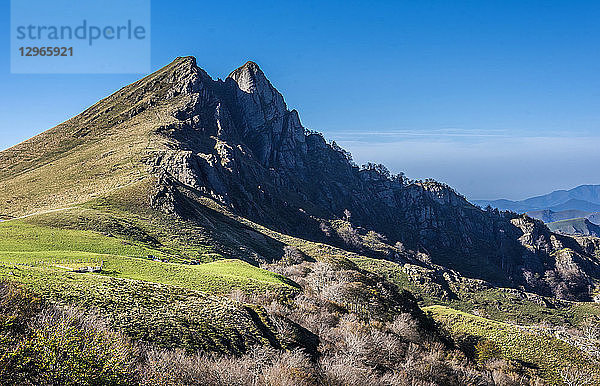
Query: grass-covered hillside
{"points": [[535, 351], [165, 302], [55, 249], [93, 153]]}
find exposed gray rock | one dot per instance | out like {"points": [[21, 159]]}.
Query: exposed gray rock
{"points": [[237, 142]]}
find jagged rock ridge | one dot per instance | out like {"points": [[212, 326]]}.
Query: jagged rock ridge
{"points": [[262, 163]]}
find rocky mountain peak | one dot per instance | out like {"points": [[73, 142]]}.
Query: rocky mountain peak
{"points": [[249, 77], [273, 133], [261, 102]]}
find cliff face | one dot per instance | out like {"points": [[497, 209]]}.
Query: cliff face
{"points": [[237, 142]]}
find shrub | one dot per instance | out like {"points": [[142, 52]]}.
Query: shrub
{"points": [[486, 350], [16, 307], [44, 344], [292, 256], [291, 369], [405, 326]]}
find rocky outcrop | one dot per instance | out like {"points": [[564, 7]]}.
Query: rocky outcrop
{"points": [[237, 142], [554, 264], [273, 133]]}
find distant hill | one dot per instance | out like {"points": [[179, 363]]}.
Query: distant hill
{"points": [[582, 198], [594, 218], [577, 205], [549, 215], [552, 216], [577, 226]]}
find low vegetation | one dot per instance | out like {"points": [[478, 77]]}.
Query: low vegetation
{"points": [[533, 351], [45, 344], [319, 315], [446, 288]]}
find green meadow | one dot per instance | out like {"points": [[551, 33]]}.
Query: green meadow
{"points": [[540, 353]]}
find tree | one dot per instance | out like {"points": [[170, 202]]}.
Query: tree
{"points": [[400, 178], [380, 169]]}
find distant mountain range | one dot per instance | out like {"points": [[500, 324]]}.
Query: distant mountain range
{"points": [[573, 212], [585, 198]]}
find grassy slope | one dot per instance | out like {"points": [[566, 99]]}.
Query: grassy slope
{"points": [[54, 248], [74, 177], [545, 353], [168, 303], [20, 236], [100, 150], [170, 316], [473, 296]]}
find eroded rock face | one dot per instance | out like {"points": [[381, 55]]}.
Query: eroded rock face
{"points": [[274, 133], [237, 142], [554, 264]]}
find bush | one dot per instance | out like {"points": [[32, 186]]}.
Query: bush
{"points": [[486, 350], [292, 256], [16, 307], [44, 344]]}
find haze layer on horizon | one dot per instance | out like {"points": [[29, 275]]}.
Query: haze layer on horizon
{"points": [[482, 164]]}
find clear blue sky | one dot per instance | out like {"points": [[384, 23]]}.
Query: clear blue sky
{"points": [[497, 98]]}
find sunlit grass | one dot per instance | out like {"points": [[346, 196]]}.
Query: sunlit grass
{"points": [[544, 352]]}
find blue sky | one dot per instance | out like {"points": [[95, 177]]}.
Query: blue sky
{"points": [[496, 98]]}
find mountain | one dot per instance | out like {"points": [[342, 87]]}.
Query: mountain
{"points": [[194, 216], [548, 215], [180, 142], [594, 218], [552, 216], [584, 198], [577, 226], [578, 204]]}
